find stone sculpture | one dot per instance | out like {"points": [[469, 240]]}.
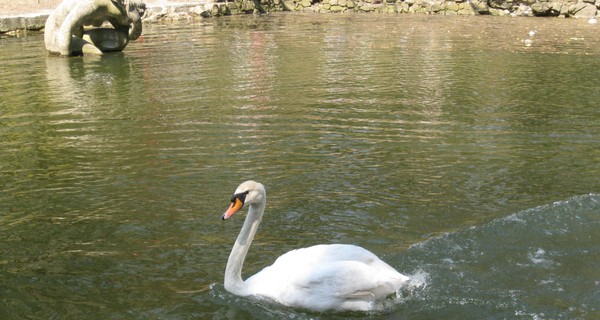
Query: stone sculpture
{"points": [[75, 26]]}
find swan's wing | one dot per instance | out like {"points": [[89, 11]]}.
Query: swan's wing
{"points": [[327, 277], [338, 285]]}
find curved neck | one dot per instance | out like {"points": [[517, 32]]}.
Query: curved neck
{"points": [[233, 272]]}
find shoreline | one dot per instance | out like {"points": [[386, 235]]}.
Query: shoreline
{"points": [[18, 20]]}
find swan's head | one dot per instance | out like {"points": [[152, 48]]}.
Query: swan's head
{"points": [[247, 193]]}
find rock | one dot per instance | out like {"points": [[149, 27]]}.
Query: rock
{"points": [[564, 10], [586, 11], [499, 12], [480, 7], [466, 9], [288, 5], [367, 8], [411, 9], [555, 8], [522, 10], [500, 4], [231, 8], [246, 6], [451, 6], [390, 9], [402, 7], [540, 8]]}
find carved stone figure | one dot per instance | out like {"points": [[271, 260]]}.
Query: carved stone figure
{"points": [[74, 27]]}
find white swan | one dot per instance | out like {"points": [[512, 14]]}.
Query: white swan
{"points": [[321, 277]]}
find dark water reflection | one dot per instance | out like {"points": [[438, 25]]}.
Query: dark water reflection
{"points": [[382, 132]]}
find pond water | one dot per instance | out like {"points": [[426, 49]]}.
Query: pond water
{"points": [[464, 151]]}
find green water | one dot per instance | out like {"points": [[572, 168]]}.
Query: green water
{"points": [[460, 153]]}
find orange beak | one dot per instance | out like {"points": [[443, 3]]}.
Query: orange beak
{"points": [[233, 208]]}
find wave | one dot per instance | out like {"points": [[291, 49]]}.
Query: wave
{"points": [[542, 262]]}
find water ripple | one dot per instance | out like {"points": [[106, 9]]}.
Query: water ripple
{"points": [[115, 170]]}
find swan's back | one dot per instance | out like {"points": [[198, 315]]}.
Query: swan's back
{"points": [[326, 277]]}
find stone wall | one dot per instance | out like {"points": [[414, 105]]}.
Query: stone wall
{"points": [[211, 9], [558, 8]]}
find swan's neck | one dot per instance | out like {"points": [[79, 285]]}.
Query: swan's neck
{"points": [[233, 272]]}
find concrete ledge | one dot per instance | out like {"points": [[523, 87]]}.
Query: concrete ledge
{"points": [[26, 22]]}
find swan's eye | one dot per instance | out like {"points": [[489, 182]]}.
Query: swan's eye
{"points": [[241, 196]]}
